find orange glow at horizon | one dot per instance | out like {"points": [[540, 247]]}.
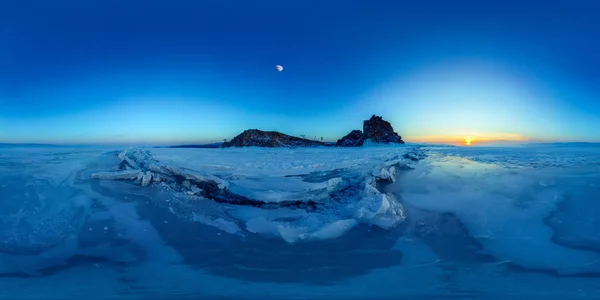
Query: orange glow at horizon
{"points": [[469, 139]]}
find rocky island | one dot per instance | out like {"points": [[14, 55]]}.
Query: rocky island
{"points": [[375, 130], [269, 139]]}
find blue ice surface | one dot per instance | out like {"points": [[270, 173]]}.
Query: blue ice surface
{"points": [[482, 223]]}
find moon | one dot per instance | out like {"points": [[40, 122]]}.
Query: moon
{"points": [[279, 68]]}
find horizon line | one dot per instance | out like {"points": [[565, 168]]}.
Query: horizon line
{"points": [[486, 143]]}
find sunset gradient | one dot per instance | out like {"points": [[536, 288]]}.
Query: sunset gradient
{"points": [[202, 71]]}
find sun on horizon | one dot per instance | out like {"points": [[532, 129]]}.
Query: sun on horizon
{"points": [[468, 141]]}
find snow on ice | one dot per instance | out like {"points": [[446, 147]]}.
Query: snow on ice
{"points": [[524, 218], [331, 198]]}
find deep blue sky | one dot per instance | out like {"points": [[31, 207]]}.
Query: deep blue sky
{"points": [[196, 71]]}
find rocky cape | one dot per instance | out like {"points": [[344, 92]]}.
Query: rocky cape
{"points": [[375, 130]]}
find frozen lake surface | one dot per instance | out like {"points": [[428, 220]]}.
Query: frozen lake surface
{"points": [[361, 223]]}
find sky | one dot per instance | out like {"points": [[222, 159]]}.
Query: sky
{"points": [[169, 72]]}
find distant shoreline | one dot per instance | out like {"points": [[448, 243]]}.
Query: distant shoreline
{"points": [[217, 145]]}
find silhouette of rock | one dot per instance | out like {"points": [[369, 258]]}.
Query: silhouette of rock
{"points": [[375, 130], [380, 131], [354, 139], [269, 139]]}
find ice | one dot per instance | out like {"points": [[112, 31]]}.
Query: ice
{"points": [[576, 221], [373, 222], [379, 210], [294, 225], [220, 223], [146, 178], [312, 227], [334, 230], [505, 210], [125, 174], [385, 174], [330, 204]]}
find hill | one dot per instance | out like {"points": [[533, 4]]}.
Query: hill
{"points": [[269, 139]]}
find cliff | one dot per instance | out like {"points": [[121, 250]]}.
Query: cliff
{"points": [[375, 130]]}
